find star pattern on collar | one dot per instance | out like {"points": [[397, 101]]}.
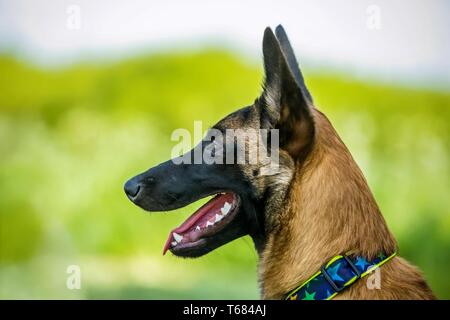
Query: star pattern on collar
{"points": [[309, 296], [361, 262], [333, 272]]}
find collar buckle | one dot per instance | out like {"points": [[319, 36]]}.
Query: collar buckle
{"points": [[330, 280], [352, 266]]}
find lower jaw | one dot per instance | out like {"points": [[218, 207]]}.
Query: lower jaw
{"points": [[190, 249]]}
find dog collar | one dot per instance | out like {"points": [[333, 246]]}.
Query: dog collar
{"points": [[336, 275]]}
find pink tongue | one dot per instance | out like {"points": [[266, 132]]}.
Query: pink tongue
{"points": [[213, 205]]}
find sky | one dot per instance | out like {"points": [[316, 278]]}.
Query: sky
{"points": [[390, 39]]}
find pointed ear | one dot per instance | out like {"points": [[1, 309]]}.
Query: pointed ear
{"points": [[283, 104], [291, 60]]}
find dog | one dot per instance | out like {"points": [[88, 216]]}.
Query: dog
{"points": [[313, 221]]}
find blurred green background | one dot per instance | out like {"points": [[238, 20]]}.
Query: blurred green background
{"points": [[71, 136]]}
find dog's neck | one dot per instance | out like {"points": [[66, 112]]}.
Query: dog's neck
{"points": [[329, 209]]}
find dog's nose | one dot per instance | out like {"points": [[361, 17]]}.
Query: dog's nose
{"points": [[132, 188]]}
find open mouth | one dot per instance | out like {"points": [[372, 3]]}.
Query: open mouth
{"points": [[207, 221]]}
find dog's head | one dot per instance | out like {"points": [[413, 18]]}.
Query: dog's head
{"points": [[246, 186]]}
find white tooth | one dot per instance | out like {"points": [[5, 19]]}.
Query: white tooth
{"points": [[197, 228], [218, 218], [177, 237], [226, 208], [174, 243], [209, 224]]}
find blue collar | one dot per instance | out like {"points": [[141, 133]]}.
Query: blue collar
{"points": [[338, 274]]}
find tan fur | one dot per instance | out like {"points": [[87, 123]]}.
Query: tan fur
{"points": [[329, 209]]}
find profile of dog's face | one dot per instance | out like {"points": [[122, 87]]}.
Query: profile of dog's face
{"points": [[245, 192]]}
